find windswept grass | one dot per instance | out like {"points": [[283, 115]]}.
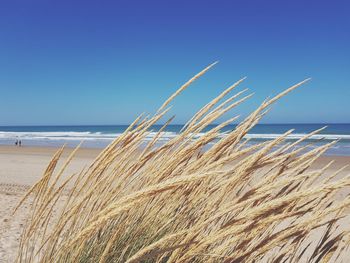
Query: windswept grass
{"points": [[188, 201]]}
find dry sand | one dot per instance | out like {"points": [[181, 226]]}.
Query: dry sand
{"points": [[21, 167]]}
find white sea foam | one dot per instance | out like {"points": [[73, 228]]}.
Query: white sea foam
{"points": [[101, 140], [73, 136], [86, 135], [300, 135], [56, 135]]}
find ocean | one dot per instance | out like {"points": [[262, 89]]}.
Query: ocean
{"points": [[98, 136]]}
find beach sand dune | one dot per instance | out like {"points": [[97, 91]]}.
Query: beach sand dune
{"points": [[21, 167]]}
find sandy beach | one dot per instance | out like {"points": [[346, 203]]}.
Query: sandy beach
{"points": [[21, 167]]}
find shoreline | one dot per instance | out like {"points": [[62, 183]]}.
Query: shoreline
{"points": [[25, 165], [84, 150]]}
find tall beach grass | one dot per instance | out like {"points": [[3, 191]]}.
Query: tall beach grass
{"points": [[191, 199]]}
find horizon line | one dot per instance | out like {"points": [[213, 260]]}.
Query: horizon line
{"points": [[179, 124]]}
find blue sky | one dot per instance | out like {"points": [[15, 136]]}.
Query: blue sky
{"points": [[104, 62]]}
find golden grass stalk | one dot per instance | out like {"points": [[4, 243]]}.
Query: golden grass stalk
{"points": [[199, 197]]}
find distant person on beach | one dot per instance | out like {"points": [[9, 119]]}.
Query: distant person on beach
{"points": [[18, 142]]}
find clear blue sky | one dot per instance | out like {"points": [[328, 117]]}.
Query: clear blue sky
{"points": [[103, 62]]}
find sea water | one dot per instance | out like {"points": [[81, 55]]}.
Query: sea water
{"points": [[99, 136]]}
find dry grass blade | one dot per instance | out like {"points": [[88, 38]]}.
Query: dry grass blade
{"points": [[203, 196]]}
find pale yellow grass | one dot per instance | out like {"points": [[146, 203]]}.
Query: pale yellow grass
{"points": [[185, 201]]}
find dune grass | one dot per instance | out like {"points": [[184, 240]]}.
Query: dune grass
{"points": [[191, 199]]}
